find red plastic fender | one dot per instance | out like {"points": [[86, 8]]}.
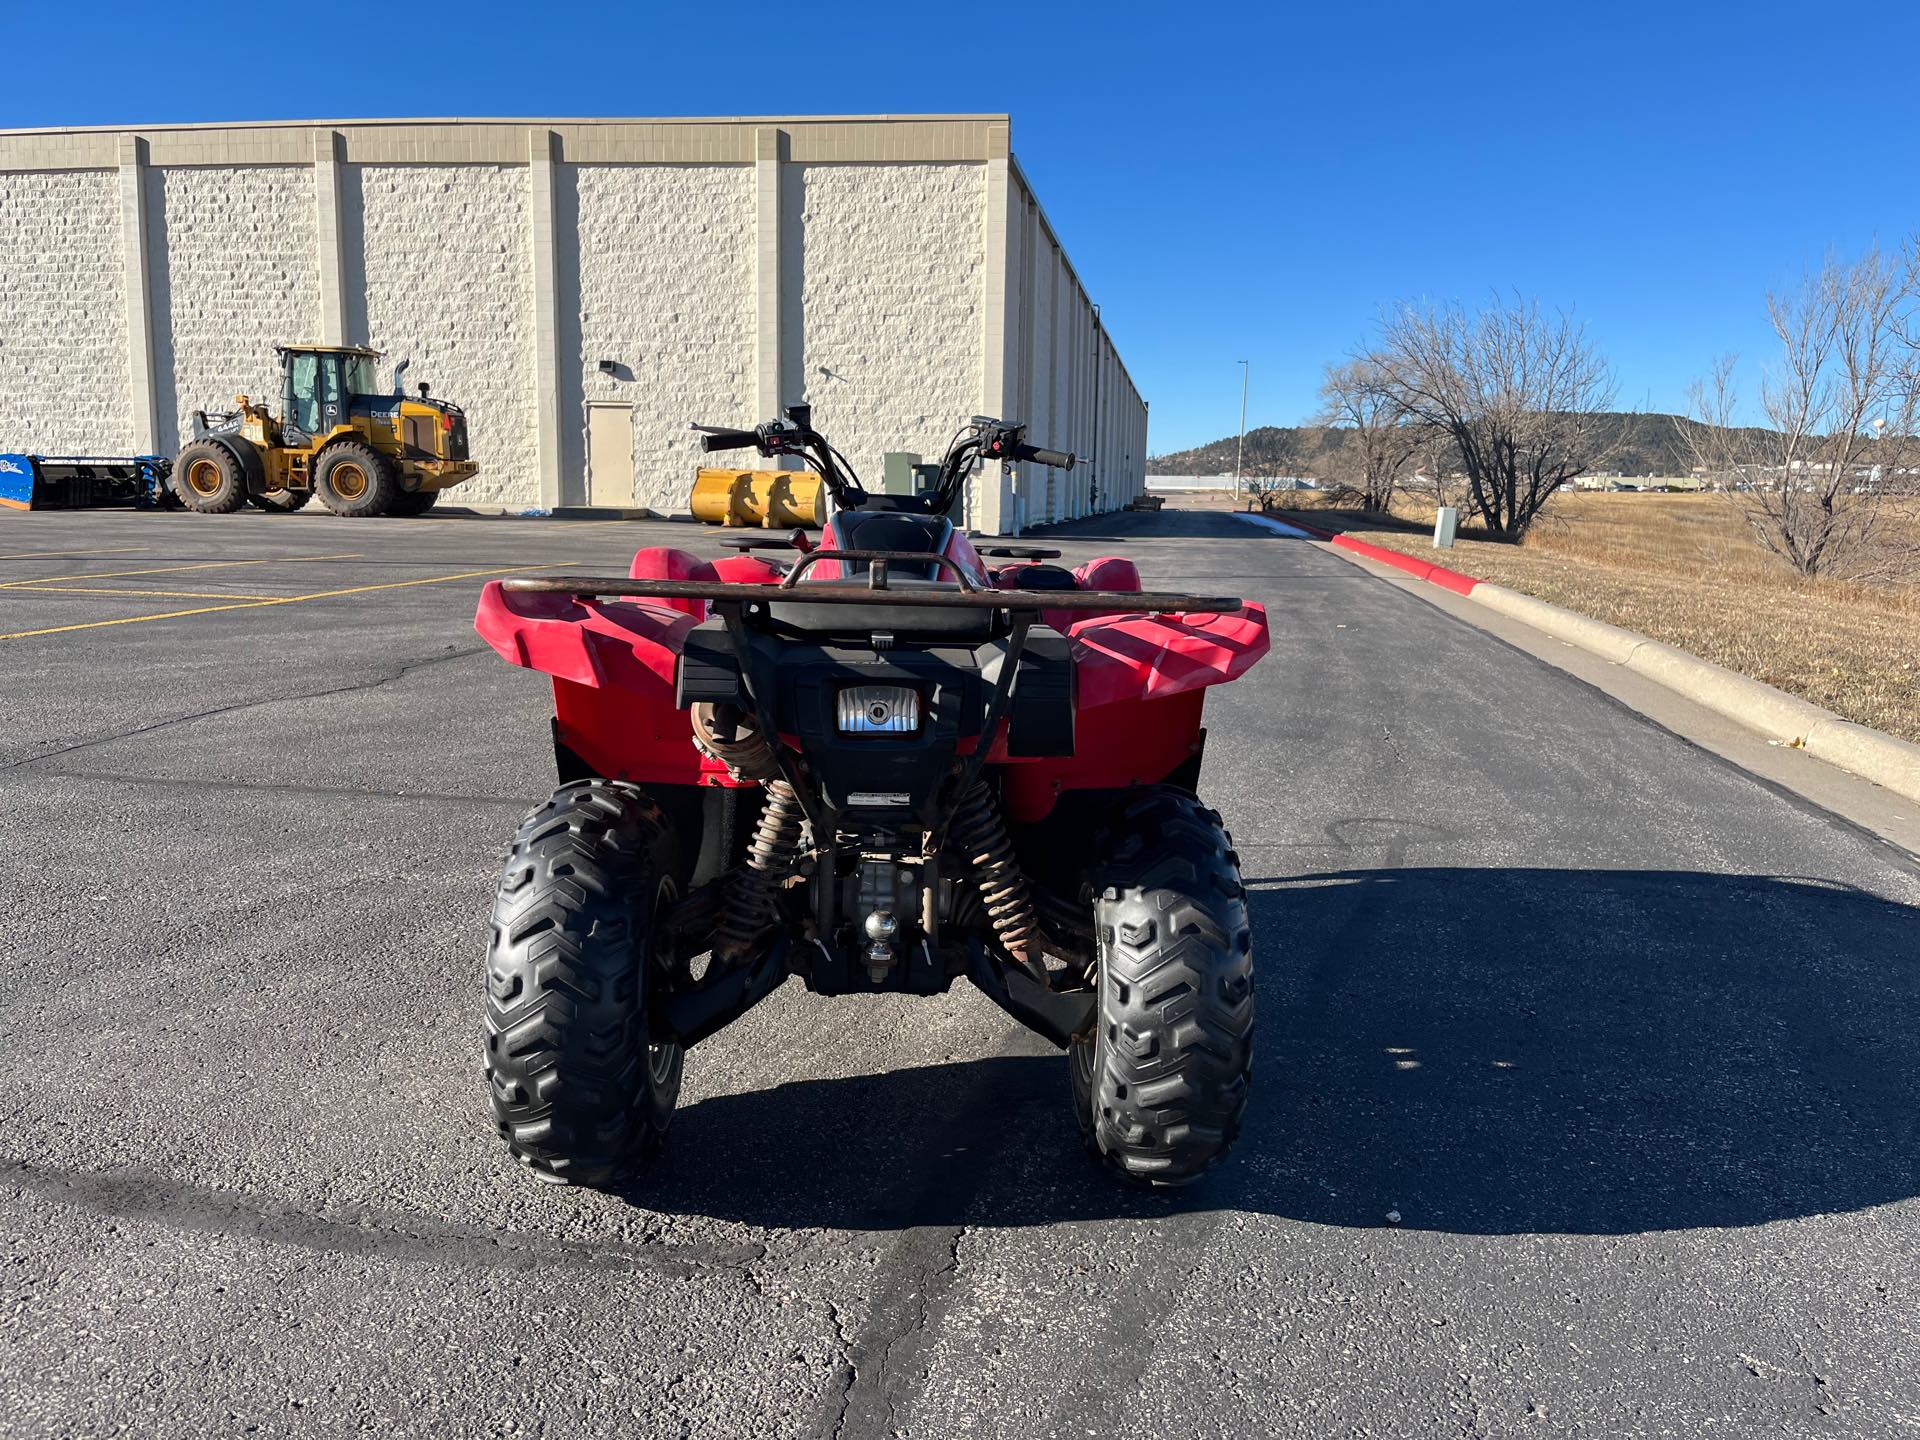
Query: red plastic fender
{"points": [[624, 645], [1109, 572], [1136, 743], [663, 562], [1134, 656]]}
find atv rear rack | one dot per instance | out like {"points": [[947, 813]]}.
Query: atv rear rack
{"points": [[968, 595]]}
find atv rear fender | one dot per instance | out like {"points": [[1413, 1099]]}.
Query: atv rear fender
{"points": [[1141, 678]]}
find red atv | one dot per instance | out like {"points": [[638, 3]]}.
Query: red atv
{"points": [[877, 765]]}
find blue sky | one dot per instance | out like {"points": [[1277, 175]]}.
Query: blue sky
{"points": [[1231, 181]]}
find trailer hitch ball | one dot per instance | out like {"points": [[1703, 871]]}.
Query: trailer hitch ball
{"points": [[881, 928]]}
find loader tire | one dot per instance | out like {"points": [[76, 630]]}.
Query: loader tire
{"points": [[580, 1092], [1162, 1083], [414, 502], [281, 502], [207, 477], [355, 480]]}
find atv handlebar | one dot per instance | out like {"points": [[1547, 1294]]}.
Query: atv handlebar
{"points": [[1059, 459], [982, 438], [794, 436], [729, 440]]}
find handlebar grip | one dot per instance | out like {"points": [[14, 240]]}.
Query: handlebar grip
{"points": [[729, 440], [1061, 459]]}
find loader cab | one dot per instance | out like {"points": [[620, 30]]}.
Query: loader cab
{"points": [[319, 383]]}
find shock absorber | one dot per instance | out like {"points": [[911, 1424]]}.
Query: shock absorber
{"points": [[980, 838], [747, 910]]}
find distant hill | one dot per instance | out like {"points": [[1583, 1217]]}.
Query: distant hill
{"points": [[1634, 444]]}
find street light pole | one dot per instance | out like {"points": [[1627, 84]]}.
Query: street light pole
{"points": [[1240, 445]]}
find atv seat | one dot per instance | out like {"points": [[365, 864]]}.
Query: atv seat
{"points": [[891, 530], [1035, 577]]}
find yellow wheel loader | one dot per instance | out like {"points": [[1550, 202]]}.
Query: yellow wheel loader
{"points": [[361, 452]]}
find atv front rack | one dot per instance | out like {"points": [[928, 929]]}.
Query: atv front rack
{"points": [[967, 595]]}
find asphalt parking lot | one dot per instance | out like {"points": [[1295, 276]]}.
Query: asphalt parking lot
{"points": [[1584, 1105]]}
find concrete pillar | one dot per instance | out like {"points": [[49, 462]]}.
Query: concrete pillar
{"points": [[548, 424], [772, 385], [331, 234], [1026, 480], [1056, 272], [138, 287], [999, 326]]}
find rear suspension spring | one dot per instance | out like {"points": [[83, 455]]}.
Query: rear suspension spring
{"points": [[747, 911], [980, 838]]}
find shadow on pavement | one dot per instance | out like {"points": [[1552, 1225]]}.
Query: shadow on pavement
{"points": [[1478, 1051]]}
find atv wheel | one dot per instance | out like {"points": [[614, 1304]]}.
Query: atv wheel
{"points": [[207, 478], [579, 1092], [1160, 1087], [414, 502], [355, 480], [283, 501]]}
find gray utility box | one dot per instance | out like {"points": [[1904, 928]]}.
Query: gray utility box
{"points": [[1444, 524], [904, 473]]}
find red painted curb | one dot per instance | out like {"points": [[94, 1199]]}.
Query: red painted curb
{"points": [[1314, 530], [1437, 574]]}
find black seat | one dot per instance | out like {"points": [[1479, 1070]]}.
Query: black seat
{"points": [[1041, 577], [925, 622], [894, 530]]}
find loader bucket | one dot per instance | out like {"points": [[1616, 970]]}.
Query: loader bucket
{"points": [[769, 499]]}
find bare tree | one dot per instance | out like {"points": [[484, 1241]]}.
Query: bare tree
{"points": [[1435, 462], [1840, 406], [1382, 437], [1264, 491], [1516, 391], [1284, 461]]}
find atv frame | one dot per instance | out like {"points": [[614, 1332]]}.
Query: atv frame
{"points": [[878, 768]]}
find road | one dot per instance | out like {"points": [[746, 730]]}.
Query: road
{"points": [[1585, 1100]]}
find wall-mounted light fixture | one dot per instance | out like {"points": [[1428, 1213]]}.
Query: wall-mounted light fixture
{"points": [[609, 367]]}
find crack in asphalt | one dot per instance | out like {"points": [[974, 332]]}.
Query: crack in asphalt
{"points": [[353, 1230], [1387, 735], [902, 1314], [152, 727]]}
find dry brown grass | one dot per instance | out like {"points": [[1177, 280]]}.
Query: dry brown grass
{"points": [[1684, 569]]}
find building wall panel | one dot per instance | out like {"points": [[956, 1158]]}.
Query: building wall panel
{"points": [[233, 270], [889, 260], [664, 288], [446, 289], [64, 373]]}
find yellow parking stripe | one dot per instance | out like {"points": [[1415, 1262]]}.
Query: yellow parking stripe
{"points": [[281, 600], [173, 569], [68, 554], [168, 594]]}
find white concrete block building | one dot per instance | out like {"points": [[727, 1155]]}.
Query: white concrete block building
{"points": [[585, 288]]}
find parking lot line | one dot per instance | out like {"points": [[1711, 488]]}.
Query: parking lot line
{"points": [[277, 600], [65, 554], [175, 569], [168, 594]]}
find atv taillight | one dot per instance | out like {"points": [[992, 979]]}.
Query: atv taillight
{"points": [[878, 710]]}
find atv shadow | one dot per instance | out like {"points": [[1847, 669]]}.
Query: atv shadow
{"points": [[1477, 1051]]}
